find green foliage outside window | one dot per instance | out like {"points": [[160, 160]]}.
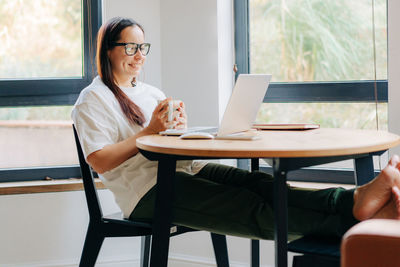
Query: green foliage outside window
{"points": [[317, 40]]}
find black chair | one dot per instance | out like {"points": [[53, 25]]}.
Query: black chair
{"points": [[115, 225], [317, 251]]}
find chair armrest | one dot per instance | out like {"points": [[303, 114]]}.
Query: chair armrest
{"points": [[372, 243]]}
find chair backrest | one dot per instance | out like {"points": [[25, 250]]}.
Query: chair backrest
{"points": [[88, 183]]}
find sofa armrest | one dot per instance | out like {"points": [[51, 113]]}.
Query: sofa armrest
{"points": [[373, 242]]}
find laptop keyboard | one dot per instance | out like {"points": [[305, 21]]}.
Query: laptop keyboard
{"points": [[212, 130]]}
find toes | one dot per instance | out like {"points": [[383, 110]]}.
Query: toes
{"points": [[396, 192], [390, 175], [394, 160], [396, 198]]}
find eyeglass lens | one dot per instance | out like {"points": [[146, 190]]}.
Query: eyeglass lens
{"points": [[131, 49]]}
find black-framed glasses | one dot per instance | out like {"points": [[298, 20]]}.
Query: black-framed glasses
{"points": [[132, 48]]}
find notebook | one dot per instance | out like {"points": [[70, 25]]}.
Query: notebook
{"points": [[241, 111], [285, 126]]}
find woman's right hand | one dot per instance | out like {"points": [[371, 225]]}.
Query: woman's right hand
{"points": [[159, 119]]}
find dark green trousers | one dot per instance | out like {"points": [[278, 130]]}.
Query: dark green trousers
{"points": [[231, 201]]}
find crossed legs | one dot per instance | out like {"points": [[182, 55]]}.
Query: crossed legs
{"points": [[231, 201]]}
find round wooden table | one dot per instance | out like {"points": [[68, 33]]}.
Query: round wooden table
{"points": [[290, 150], [272, 144]]}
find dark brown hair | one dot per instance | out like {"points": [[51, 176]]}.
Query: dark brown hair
{"points": [[109, 33]]}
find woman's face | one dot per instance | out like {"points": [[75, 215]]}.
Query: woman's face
{"points": [[125, 67]]}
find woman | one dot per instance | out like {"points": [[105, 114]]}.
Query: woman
{"points": [[116, 109]]}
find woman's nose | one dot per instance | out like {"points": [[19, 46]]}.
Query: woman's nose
{"points": [[138, 55]]}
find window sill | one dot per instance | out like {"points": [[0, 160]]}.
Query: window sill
{"points": [[59, 185], [65, 185]]}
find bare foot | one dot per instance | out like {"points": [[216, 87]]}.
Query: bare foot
{"points": [[396, 194], [373, 196], [392, 208]]}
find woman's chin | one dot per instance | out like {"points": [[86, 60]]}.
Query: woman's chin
{"points": [[135, 71]]}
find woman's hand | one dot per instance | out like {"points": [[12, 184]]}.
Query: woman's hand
{"points": [[159, 119]]}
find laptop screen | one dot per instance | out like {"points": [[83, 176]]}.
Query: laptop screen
{"points": [[244, 103]]}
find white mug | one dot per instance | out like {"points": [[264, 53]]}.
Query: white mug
{"points": [[173, 107]]}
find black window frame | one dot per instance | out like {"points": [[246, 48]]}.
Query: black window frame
{"points": [[346, 91], [53, 92]]}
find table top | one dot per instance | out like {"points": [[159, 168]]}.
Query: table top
{"points": [[322, 142]]}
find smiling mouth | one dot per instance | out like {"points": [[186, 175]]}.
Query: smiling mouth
{"points": [[134, 65]]}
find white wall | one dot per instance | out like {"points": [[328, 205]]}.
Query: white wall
{"points": [[189, 57], [197, 56], [48, 229], [226, 53], [394, 68]]}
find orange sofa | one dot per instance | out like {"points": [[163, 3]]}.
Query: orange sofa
{"points": [[372, 243]]}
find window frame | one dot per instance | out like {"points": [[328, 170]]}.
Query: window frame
{"points": [[53, 92], [346, 91]]}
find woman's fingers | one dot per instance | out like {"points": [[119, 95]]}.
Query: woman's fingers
{"points": [[180, 122], [394, 160], [160, 115], [163, 105]]}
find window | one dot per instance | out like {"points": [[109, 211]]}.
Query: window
{"points": [[36, 136], [324, 57], [314, 40], [38, 70], [46, 58], [303, 44], [57, 53]]}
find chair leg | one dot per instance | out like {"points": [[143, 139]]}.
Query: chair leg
{"points": [[315, 261], [255, 253], [220, 250], [145, 250], [91, 248]]}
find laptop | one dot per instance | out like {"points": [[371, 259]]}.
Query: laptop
{"points": [[241, 111]]}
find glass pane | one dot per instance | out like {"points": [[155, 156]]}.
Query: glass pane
{"points": [[36, 136], [317, 40], [40, 39], [328, 115]]}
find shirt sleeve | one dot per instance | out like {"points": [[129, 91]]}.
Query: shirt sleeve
{"points": [[95, 126]]}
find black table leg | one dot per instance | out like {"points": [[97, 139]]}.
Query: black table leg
{"points": [[163, 213], [255, 244], [364, 170], [280, 215], [255, 164], [255, 253]]}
